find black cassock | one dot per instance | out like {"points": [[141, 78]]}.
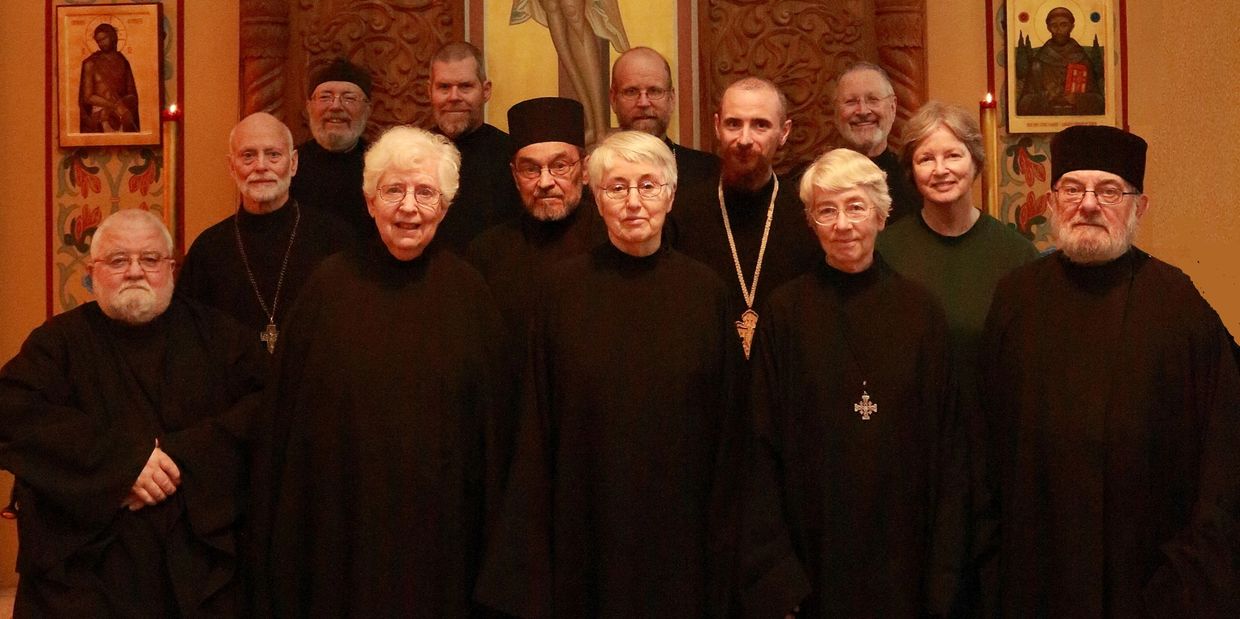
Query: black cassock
{"points": [[613, 505], [215, 275], [696, 229], [385, 436], [866, 516], [515, 257], [82, 405], [1113, 432], [332, 183], [487, 195]]}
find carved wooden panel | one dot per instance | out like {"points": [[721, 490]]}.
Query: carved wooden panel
{"points": [[264, 52], [801, 45], [283, 41]]}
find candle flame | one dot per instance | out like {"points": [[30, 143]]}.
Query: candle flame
{"points": [[989, 98], [172, 109]]}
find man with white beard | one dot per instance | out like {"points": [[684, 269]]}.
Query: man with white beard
{"points": [[338, 106], [559, 219], [1111, 424], [123, 422], [252, 264], [865, 110]]}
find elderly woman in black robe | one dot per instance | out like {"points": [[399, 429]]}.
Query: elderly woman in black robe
{"points": [[854, 502], [628, 400], [382, 450]]}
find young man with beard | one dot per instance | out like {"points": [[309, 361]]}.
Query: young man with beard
{"points": [[123, 422], [253, 263], [559, 219], [865, 109], [1111, 418], [746, 222], [459, 89], [338, 105]]}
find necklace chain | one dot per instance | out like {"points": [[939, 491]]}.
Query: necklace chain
{"points": [[748, 291], [245, 261]]}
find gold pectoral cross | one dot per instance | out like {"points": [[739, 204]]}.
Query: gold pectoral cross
{"points": [[268, 336], [865, 406], [745, 328]]}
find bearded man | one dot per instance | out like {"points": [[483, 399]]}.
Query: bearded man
{"points": [[123, 421], [459, 91], [338, 106], [559, 219], [253, 263], [865, 110], [1111, 425], [746, 222]]}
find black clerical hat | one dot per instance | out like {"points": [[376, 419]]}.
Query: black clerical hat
{"points": [[1083, 147], [340, 70], [547, 119]]}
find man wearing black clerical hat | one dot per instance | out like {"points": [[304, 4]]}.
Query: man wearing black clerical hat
{"points": [[329, 176], [559, 219], [1112, 415]]}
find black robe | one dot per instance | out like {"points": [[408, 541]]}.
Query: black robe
{"points": [[1113, 429], [487, 195], [215, 275], [866, 516], [905, 199], [609, 510], [383, 442], [515, 257], [83, 404], [696, 229], [693, 166], [332, 182]]}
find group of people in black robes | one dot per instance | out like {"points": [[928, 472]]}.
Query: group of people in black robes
{"points": [[583, 417]]}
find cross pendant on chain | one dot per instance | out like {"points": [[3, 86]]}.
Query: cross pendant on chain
{"points": [[268, 336]]}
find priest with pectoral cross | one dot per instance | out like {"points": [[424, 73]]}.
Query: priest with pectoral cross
{"points": [[855, 495], [252, 264], [746, 222]]}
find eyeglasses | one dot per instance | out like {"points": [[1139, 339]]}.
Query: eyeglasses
{"points": [[1072, 195], [853, 211], [423, 195], [645, 189], [870, 101], [347, 99], [654, 93], [150, 262], [559, 167]]}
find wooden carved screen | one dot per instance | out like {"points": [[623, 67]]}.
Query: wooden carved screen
{"points": [[801, 45], [283, 41]]}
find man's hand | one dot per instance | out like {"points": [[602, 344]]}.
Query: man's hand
{"points": [[157, 481]]}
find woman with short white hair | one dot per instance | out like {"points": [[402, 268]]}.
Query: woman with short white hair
{"points": [[629, 391], [854, 501], [382, 450]]}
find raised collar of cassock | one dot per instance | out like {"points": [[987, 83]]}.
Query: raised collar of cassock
{"points": [[538, 232], [850, 284], [263, 223], [1102, 277]]}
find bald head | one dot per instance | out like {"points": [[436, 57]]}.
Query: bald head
{"points": [[641, 91], [262, 161]]}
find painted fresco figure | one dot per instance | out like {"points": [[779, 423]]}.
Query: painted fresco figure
{"points": [[1062, 79], [573, 25], [107, 94]]}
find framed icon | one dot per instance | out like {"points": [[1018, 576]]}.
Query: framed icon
{"points": [[1064, 61], [108, 74]]}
